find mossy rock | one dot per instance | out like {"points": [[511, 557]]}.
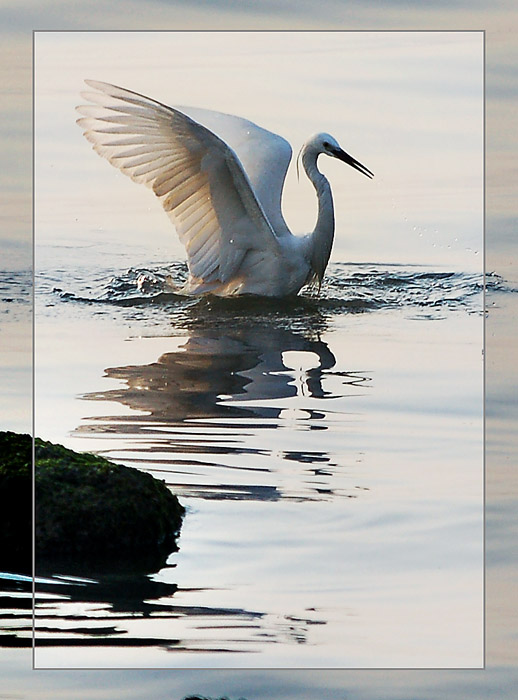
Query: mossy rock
{"points": [[87, 508], [16, 501], [86, 505]]}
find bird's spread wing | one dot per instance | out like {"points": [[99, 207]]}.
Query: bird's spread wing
{"points": [[198, 178], [265, 157]]}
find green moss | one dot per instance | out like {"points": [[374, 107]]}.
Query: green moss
{"points": [[86, 507]]}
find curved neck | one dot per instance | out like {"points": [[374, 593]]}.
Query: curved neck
{"points": [[324, 231]]}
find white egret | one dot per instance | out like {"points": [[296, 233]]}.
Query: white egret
{"points": [[222, 192]]}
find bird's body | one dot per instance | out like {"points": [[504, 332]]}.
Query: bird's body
{"points": [[222, 192]]}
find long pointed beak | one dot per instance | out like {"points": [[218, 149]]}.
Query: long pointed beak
{"points": [[342, 155]]}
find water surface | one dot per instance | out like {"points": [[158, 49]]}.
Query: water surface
{"points": [[328, 450]]}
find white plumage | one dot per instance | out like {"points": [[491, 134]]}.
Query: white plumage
{"points": [[226, 210]]}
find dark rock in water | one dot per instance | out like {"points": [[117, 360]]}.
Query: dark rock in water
{"points": [[86, 505], [15, 502], [87, 508]]}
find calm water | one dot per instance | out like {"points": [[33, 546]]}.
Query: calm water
{"points": [[329, 451]]}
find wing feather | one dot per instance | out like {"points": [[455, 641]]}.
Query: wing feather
{"points": [[198, 178]]}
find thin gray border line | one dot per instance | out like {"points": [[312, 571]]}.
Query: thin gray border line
{"points": [[33, 354], [484, 353], [277, 31], [259, 31]]}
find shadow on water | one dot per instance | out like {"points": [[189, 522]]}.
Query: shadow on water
{"points": [[90, 607], [108, 607], [15, 610], [111, 607]]}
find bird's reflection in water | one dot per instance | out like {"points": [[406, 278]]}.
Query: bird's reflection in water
{"points": [[234, 412], [237, 411]]}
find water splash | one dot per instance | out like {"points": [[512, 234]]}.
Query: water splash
{"points": [[353, 288]]}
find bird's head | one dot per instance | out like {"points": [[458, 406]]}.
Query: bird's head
{"points": [[326, 144]]}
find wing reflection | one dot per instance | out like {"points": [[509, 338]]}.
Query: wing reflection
{"points": [[228, 403], [210, 369], [128, 609], [238, 413]]}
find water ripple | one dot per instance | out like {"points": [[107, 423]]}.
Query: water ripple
{"points": [[347, 288]]}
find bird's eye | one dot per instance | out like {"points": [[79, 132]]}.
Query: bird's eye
{"points": [[326, 144]]}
